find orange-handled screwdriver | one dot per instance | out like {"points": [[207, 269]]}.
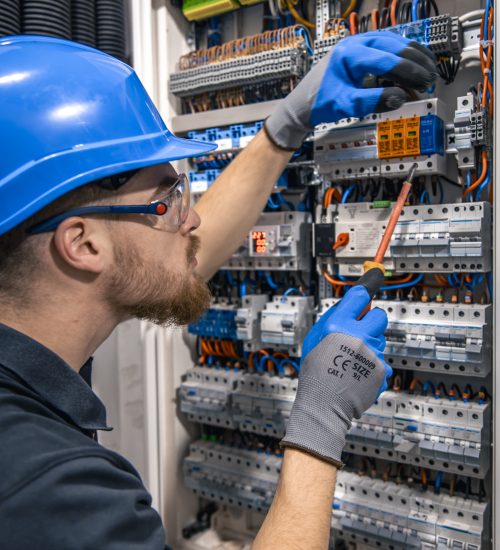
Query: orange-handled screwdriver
{"points": [[373, 278]]}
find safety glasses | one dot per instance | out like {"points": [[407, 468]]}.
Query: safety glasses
{"points": [[169, 212]]}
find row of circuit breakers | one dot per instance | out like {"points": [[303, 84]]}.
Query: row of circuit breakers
{"points": [[444, 337]]}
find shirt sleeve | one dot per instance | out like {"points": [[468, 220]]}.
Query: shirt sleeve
{"points": [[84, 503]]}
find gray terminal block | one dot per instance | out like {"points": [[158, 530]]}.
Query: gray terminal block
{"points": [[241, 71]]}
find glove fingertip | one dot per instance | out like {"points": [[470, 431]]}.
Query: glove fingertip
{"points": [[391, 98]]}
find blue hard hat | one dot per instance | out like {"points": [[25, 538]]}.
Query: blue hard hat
{"points": [[69, 115]]}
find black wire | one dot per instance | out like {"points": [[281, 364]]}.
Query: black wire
{"points": [[383, 18]]}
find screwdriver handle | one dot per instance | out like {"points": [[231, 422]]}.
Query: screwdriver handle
{"points": [[372, 280]]}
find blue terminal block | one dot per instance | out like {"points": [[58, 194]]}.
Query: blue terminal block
{"points": [[216, 323], [200, 181], [431, 135]]}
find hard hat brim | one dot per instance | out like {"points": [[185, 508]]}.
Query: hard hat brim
{"points": [[89, 162]]}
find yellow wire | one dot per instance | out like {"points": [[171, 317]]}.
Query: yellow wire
{"points": [[297, 17], [349, 9]]}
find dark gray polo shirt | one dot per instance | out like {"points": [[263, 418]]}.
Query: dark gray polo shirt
{"points": [[60, 489]]}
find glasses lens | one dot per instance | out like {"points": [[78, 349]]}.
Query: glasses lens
{"points": [[178, 202]]}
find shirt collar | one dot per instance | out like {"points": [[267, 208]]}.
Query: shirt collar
{"points": [[53, 379]]}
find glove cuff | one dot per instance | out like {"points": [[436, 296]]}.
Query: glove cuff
{"points": [[284, 131], [318, 422]]}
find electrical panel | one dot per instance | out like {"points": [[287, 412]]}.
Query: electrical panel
{"points": [[418, 463]]}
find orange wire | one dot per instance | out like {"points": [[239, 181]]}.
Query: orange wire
{"points": [[338, 282], [327, 199], [414, 383], [353, 22], [482, 177], [374, 16], [394, 7]]}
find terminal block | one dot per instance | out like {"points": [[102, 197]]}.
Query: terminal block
{"points": [[262, 404], [218, 322], [441, 34], [426, 431], [280, 242], [390, 515], [471, 129], [444, 238], [200, 181], [384, 144], [205, 395], [248, 317], [246, 70], [286, 320], [233, 476]]}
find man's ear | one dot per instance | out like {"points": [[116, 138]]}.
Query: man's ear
{"points": [[83, 244]]}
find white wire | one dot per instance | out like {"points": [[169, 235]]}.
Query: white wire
{"points": [[272, 8], [476, 14], [469, 58]]}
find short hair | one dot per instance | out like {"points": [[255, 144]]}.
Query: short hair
{"points": [[18, 249]]}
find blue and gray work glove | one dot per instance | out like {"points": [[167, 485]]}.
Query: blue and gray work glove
{"points": [[333, 89], [342, 373]]}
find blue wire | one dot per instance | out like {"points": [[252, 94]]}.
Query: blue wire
{"points": [[428, 384], [270, 282], [490, 285], [243, 289], [303, 33], [271, 204], [468, 180], [485, 184], [423, 196], [404, 285], [274, 360], [347, 193], [414, 10], [294, 364], [289, 291], [437, 482], [486, 16], [230, 278], [450, 281]]}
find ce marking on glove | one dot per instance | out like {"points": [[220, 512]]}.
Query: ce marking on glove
{"points": [[358, 370], [336, 361]]}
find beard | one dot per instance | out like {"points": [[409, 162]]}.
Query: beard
{"points": [[146, 290]]}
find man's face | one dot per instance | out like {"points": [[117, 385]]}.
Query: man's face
{"points": [[153, 275]]}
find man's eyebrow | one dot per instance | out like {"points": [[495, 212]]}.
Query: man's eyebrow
{"points": [[165, 184]]}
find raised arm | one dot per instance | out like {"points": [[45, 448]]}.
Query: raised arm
{"points": [[332, 90]]}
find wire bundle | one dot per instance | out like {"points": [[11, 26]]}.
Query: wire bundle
{"points": [[110, 27], [83, 22], [47, 17], [485, 100], [248, 45], [10, 17]]}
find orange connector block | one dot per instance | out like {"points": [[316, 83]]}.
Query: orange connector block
{"points": [[398, 138]]}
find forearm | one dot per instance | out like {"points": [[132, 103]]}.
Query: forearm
{"points": [[232, 205], [301, 512]]}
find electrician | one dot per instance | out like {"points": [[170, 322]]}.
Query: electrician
{"points": [[96, 227]]}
